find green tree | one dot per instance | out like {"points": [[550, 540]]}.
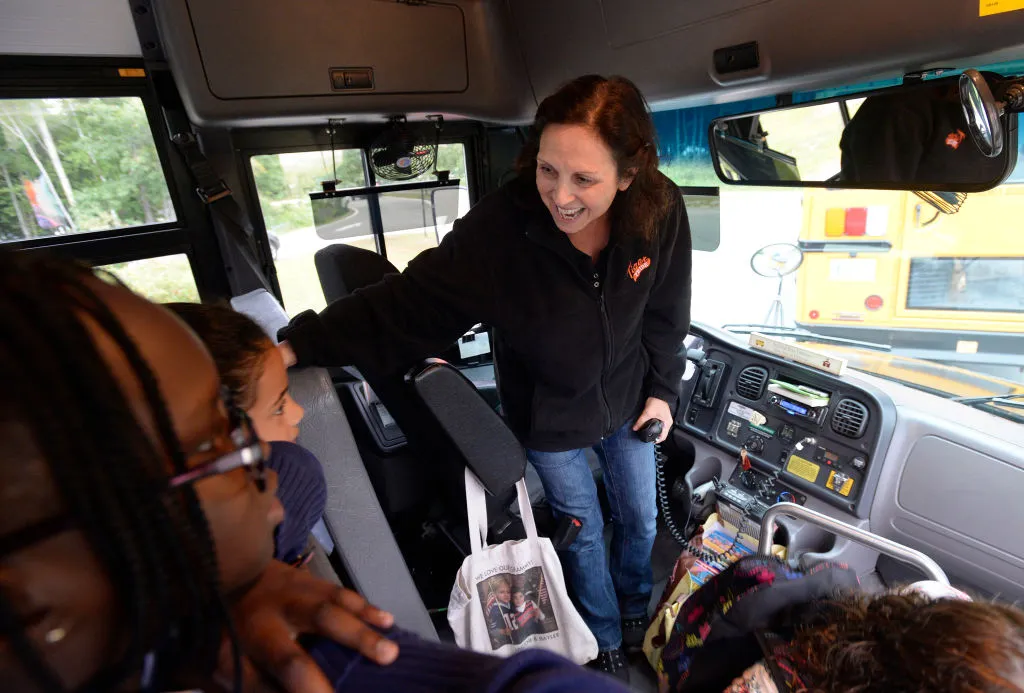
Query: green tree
{"points": [[452, 157], [271, 181], [95, 157]]}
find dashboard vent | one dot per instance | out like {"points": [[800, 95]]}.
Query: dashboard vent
{"points": [[751, 381], [850, 418]]}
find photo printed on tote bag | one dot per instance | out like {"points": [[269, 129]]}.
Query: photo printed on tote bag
{"points": [[516, 607]]}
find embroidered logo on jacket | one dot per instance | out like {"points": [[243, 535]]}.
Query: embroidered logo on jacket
{"points": [[637, 268], [954, 139]]}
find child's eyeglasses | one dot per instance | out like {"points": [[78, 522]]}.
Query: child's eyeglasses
{"points": [[248, 453]]}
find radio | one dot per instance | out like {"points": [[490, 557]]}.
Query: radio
{"points": [[801, 411]]}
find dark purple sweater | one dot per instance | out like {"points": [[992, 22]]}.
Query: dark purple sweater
{"points": [[302, 490], [429, 667]]}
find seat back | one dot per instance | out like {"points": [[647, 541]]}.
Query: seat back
{"points": [[480, 436], [344, 268], [481, 440], [261, 307], [364, 544], [430, 416]]}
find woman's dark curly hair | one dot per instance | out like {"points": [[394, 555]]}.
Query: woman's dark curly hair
{"points": [[617, 111], [911, 644]]}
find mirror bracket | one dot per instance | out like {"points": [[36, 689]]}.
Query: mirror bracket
{"points": [[919, 76]]}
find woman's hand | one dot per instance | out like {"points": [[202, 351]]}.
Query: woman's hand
{"points": [[287, 602], [656, 408]]}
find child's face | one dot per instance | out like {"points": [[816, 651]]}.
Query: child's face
{"points": [[518, 599], [275, 415], [503, 593]]}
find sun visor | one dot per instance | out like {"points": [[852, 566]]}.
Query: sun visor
{"points": [[417, 209], [266, 49], [265, 62]]}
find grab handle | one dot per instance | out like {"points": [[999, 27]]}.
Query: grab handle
{"points": [[890, 548]]}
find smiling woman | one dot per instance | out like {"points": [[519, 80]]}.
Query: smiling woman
{"points": [[582, 267], [611, 117]]}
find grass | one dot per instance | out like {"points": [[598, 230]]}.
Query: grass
{"points": [[160, 279], [287, 216], [691, 173]]}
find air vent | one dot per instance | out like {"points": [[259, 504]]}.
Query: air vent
{"points": [[850, 418], [751, 381]]}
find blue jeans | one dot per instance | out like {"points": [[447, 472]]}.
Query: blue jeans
{"points": [[606, 596]]}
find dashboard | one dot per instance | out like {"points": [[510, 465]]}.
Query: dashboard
{"points": [[925, 471], [796, 431]]}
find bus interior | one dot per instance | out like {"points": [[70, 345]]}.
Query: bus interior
{"points": [[282, 155]]}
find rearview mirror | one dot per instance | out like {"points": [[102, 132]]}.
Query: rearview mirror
{"points": [[940, 135]]}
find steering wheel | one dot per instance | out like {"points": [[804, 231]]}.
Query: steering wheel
{"points": [[777, 260]]}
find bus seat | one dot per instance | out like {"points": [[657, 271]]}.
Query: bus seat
{"points": [[439, 421], [484, 441], [489, 447], [344, 268], [261, 306], [363, 541]]}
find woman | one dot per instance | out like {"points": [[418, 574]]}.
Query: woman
{"points": [[251, 368], [131, 521], [582, 267]]}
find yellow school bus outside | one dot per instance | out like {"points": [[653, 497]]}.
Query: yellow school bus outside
{"points": [[887, 267]]}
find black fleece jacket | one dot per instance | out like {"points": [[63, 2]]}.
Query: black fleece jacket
{"points": [[578, 347]]}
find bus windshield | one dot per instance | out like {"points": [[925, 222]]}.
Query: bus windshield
{"points": [[946, 291]]}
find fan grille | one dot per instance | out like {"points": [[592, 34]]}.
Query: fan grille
{"points": [[402, 153], [751, 381], [850, 418]]}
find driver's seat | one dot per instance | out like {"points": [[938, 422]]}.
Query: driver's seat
{"points": [[344, 268]]}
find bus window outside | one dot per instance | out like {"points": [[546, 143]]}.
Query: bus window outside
{"points": [[77, 165], [412, 221]]}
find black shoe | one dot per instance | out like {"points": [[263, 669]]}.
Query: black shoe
{"points": [[613, 663], [633, 632]]}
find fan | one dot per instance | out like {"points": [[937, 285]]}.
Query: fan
{"points": [[403, 152]]}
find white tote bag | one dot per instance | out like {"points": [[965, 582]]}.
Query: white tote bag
{"points": [[512, 597]]}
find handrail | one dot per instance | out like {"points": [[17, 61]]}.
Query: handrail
{"points": [[890, 548]]}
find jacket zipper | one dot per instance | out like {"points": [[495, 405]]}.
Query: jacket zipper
{"points": [[606, 328], [607, 332]]}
